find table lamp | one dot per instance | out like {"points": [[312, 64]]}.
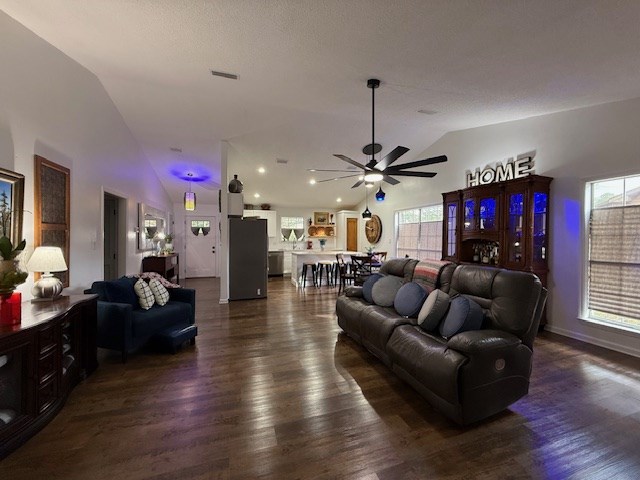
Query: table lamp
{"points": [[47, 260]]}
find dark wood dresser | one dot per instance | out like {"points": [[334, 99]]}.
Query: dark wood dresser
{"points": [[41, 360]]}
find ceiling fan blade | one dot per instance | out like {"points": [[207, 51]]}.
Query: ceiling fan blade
{"points": [[400, 173], [357, 184], [390, 180], [337, 178], [422, 163], [391, 157], [348, 160]]}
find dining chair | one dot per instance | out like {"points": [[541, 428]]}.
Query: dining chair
{"points": [[361, 268], [344, 272]]}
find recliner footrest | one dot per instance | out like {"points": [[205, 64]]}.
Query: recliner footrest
{"points": [[175, 336]]}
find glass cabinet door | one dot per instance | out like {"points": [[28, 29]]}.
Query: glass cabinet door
{"points": [[452, 225], [469, 214], [515, 223], [488, 213], [540, 227]]}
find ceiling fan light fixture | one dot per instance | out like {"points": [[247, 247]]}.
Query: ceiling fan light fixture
{"points": [[373, 177], [380, 195]]}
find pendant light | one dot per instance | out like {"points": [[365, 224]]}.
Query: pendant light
{"points": [[189, 197], [380, 195], [367, 212]]}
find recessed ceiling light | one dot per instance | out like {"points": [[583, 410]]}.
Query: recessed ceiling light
{"points": [[232, 76], [428, 112], [256, 195], [312, 181], [361, 177], [338, 199], [261, 170]]}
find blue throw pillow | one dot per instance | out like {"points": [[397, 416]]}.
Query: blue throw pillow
{"points": [[463, 315], [367, 286], [121, 291], [409, 299]]}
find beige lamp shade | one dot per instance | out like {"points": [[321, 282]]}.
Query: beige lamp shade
{"points": [[47, 259]]}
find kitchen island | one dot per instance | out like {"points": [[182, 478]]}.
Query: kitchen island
{"points": [[301, 256]]}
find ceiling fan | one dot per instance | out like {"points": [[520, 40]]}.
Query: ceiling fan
{"points": [[375, 171]]}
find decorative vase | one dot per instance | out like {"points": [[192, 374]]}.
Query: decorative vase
{"points": [[235, 185], [10, 308]]}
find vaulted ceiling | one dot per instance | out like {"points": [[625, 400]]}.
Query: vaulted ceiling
{"points": [[302, 67]]}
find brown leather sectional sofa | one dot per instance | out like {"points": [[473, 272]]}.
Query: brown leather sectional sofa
{"points": [[474, 374]]}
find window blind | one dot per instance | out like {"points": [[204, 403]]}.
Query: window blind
{"points": [[614, 261]]}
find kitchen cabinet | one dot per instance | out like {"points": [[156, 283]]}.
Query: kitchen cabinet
{"points": [[270, 216]]}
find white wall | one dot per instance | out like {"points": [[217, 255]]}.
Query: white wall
{"points": [[53, 107], [572, 147], [306, 213]]}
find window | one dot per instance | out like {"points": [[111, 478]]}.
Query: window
{"points": [[614, 251], [419, 233], [292, 228]]}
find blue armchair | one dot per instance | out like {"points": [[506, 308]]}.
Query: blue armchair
{"points": [[124, 326]]}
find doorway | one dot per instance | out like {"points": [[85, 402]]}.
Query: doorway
{"points": [[352, 234], [114, 241], [201, 242]]}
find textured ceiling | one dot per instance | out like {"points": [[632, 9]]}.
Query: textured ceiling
{"points": [[303, 66]]}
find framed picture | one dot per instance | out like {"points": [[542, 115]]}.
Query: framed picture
{"points": [[11, 205], [52, 212], [320, 218]]}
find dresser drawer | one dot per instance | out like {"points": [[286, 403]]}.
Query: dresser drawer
{"points": [[47, 394], [46, 339], [47, 365]]}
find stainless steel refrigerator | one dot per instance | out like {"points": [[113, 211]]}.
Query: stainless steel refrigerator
{"points": [[248, 257]]}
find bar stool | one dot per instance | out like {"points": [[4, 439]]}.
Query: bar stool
{"points": [[305, 268], [327, 266]]}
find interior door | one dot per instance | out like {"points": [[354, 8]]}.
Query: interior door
{"points": [[352, 234], [110, 237], [201, 234]]}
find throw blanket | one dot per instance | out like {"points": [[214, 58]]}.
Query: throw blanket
{"points": [[427, 273], [149, 275]]}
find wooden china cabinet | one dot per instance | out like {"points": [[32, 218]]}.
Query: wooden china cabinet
{"points": [[503, 224]]}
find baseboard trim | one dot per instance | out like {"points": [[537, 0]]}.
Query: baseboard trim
{"points": [[634, 352]]}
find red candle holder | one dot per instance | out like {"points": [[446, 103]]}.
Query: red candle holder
{"points": [[11, 308]]}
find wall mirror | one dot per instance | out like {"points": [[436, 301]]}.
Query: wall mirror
{"points": [[152, 225]]}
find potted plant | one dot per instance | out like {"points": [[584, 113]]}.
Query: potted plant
{"points": [[10, 275], [168, 243]]}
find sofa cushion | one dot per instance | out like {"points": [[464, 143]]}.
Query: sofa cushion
{"points": [[145, 295], [367, 286], [463, 315], [409, 299], [160, 293], [433, 310], [385, 290], [120, 291]]}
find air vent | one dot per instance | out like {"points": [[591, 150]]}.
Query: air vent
{"points": [[175, 149], [232, 76], [282, 161], [427, 112]]}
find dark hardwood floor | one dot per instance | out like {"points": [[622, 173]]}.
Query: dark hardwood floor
{"points": [[273, 390]]}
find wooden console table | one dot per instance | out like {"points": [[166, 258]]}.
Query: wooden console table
{"points": [[41, 360], [166, 265]]}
